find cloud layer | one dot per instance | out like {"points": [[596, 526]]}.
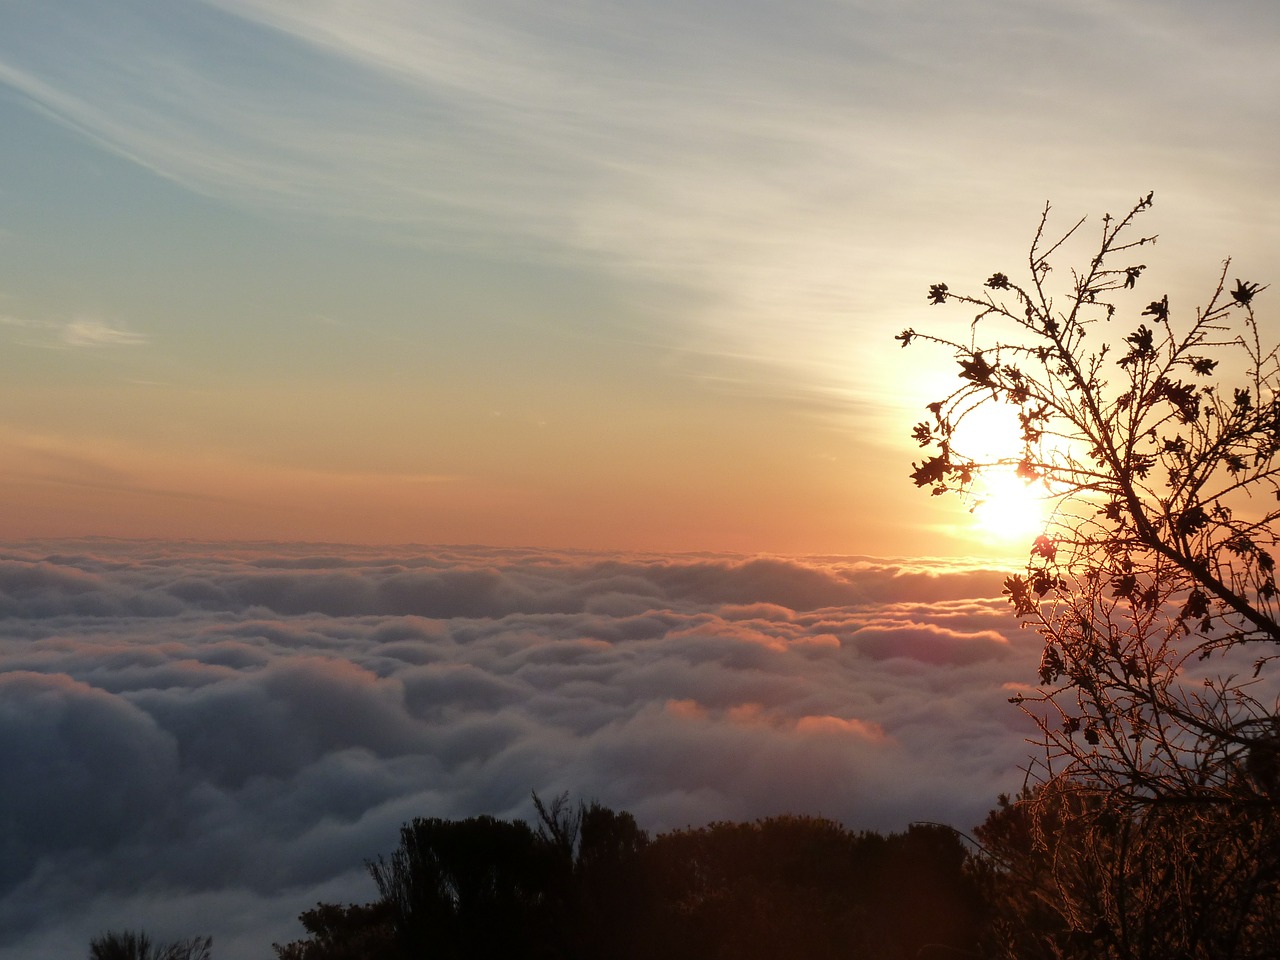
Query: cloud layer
{"points": [[208, 739]]}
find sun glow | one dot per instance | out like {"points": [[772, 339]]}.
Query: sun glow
{"points": [[1008, 508]]}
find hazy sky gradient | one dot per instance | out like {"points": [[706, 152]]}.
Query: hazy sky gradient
{"points": [[581, 274]]}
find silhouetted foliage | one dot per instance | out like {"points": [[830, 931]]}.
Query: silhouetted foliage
{"points": [[1076, 874], [1153, 830], [131, 945], [810, 888], [588, 884], [356, 932], [606, 907], [467, 888], [484, 887], [1154, 582]]}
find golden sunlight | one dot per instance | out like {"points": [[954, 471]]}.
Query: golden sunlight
{"points": [[1009, 508], [1006, 509]]}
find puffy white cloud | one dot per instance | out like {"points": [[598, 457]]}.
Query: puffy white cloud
{"points": [[190, 730]]}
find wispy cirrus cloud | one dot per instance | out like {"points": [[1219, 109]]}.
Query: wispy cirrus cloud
{"points": [[773, 167], [92, 332], [79, 332]]}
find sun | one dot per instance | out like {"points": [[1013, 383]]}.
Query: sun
{"points": [[1009, 509]]}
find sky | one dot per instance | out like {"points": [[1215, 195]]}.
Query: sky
{"points": [[587, 275], [601, 294]]}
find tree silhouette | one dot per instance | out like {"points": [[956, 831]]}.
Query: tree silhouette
{"points": [[810, 888], [1153, 584], [466, 888], [1155, 442], [603, 896], [131, 945], [1074, 874], [353, 932], [484, 887], [588, 884]]}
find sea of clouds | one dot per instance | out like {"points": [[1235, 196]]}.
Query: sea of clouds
{"points": [[208, 738]]}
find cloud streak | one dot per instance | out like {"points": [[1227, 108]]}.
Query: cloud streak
{"points": [[90, 332], [254, 720]]}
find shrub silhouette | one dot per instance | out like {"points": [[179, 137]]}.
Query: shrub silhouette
{"points": [[478, 887], [588, 884], [131, 945], [355, 932]]}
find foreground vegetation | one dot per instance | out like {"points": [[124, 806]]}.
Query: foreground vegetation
{"points": [[589, 883], [1152, 433], [1041, 879]]}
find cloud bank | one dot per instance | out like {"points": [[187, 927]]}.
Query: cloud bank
{"points": [[210, 738]]}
